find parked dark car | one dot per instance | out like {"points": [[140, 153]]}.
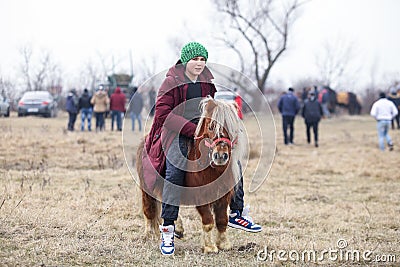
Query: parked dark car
{"points": [[37, 103], [4, 106]]}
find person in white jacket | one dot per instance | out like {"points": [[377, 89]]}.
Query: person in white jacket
{"points": [[383, 110]]}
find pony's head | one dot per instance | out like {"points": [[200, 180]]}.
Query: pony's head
{"points": [[219, 130]]}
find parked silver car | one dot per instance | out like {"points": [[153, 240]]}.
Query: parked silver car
{"points": [[4, 106], [226, 95], [37, 103]]}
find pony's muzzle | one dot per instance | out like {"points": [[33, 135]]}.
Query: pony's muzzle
{"points": [[220, 158]]}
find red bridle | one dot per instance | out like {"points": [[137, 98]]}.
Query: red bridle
{"points": [[218, 140]]}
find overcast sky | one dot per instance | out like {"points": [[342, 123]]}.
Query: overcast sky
{"points": [[76, 30]]}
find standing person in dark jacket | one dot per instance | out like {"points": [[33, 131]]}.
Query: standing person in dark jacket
{"points": [[288, 106], [394, 96], [117, 108], [152, 101], [312, 114], [186, 84], [86, 109], [72, 109], [136, 109]]}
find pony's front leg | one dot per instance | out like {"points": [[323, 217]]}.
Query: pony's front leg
{"points": [[208, 224], [221, 221]]}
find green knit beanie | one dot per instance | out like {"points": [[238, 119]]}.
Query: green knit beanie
{"points": [[191, 50]]}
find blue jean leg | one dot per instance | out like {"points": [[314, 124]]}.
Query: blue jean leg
{"points": [[137, 117], [237, 202], [383, 133], [116, 117], [174, 177], [86, 113]]}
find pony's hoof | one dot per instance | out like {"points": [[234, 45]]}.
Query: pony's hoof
{"points": [[224, 245], [210, 249], [150, 235], [178, 234]]}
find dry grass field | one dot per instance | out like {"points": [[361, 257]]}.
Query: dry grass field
{"points": [[68, 199]]}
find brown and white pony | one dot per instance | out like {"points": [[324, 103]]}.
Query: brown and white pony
{"points": [[212, 173]]}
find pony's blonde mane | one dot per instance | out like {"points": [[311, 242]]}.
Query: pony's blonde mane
{"points": [[225, 114]]}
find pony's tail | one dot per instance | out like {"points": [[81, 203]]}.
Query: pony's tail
{"points": [[150, 206], [139, 166]]}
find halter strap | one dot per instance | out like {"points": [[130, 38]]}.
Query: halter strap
{"points": [[218, 140]]}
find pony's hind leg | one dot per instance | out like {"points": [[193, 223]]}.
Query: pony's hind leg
{"points": [[221, 221], [208, 224], [151, 211]]}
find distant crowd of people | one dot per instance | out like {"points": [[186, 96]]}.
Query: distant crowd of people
{"points": [[312, 112], [99, 105], [314, 107]]}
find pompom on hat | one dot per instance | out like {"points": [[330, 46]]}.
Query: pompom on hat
{"points": [[191, 50]]}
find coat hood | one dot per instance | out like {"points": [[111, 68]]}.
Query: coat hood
{"points": [[117, 90], [100, 94], [178, 71]]}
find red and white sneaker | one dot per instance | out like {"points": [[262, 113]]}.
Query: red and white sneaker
{"points": [[243, 221]]}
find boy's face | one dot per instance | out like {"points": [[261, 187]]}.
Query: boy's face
{"points": [[195, 66]]}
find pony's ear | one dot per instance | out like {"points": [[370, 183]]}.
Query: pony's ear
{"points": [[210, 106]]}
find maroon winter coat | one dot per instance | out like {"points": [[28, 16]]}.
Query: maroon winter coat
{"points": [[168, 120], [118, 100]]}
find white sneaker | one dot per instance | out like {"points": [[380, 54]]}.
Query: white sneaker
{"points": [[167, 239]]}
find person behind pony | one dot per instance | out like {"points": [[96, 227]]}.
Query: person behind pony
{"points": [[117, 107], [383, 110], [100, 102], [239, 103], [394, 96], [152, 101], [86, 109], [188, 82], [136, 109], [72, 108], [288, 106], [323, 98], [312, 114]]}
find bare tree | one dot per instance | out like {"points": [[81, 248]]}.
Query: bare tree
{"points": [[8, 90], [260, 28], [109, 63], [42, 74], [26, 53], [90, 75], [335, 62]]}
